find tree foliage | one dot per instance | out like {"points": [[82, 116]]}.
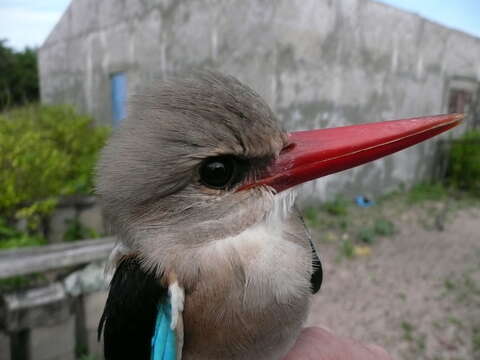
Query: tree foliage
{"points": [[18, 76], [45, 152]]}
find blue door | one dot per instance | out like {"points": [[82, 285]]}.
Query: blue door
{"points": [[119, 97]]}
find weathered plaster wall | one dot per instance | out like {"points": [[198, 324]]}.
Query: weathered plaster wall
{"points": [[319, 63]]}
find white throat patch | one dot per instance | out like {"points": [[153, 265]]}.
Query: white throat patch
{"points": [[282, 205], [272, 263]]}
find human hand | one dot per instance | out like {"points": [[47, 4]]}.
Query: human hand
{"points": [[315, 343]]}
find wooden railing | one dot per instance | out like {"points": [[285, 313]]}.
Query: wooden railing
{"points": [[47, 321], [51, 257]]}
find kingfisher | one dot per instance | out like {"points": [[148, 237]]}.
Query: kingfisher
{"points": [[213, 260]]}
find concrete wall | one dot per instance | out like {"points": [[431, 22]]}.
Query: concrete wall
{"points": [[318, 63]]}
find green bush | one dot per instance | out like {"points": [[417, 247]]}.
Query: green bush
{"points": [[337, 207], [464, 162], [366, 235], [11, 238], [347, 249], [310, 214], [45, 152], [77, 231], [426, 192], [383, 227]]}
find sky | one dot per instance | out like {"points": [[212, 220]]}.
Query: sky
{"points": [[28, 22], [462, 15]]}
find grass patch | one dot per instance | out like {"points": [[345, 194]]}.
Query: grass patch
{"points": [[337, 207], [427, 192], [476, 339], [310, 214], [343, 224], [449, 285], [455, 321], [417, 340], [430, 205], [408, 330], [366, 235], [347, 249], [464, 287], [383, 227]]}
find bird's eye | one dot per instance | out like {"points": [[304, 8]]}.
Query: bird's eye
{"points": [[220, 172]]}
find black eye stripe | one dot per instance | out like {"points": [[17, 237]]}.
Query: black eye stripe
{"points": [[222, 172]]}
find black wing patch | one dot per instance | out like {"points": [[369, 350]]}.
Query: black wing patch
{"points": [[317, 275], [128, 320]]}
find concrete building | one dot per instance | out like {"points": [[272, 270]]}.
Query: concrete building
{"points": [[318, 63]]}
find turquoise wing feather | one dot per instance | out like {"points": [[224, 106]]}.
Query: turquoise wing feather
{"points": [[164, 341]]}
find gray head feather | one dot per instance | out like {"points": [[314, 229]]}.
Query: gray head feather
{"points": [[148, 172]]}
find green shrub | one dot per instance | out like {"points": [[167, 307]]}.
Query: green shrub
{"points": [[11, 238], [347, 249], [383, 227], [366, 235], [337, 207], [464, 162], [23, 281], [77, 231], [426, 192], [45, 152], [312, 216]]}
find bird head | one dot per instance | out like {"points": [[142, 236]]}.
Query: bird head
{"points": [[169, 178], [202, 158]]}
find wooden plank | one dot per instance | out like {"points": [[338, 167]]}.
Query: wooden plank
{"points": [[58, 247], [50, 257], [31, 308]]}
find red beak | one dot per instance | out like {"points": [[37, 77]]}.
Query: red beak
{"points": [[316, 153]]}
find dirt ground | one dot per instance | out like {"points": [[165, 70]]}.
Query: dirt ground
{"points": [[416, 292]]}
